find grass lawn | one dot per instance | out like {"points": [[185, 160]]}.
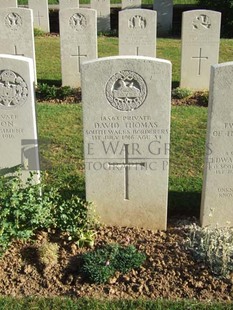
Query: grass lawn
{"points": [[48, 48]]}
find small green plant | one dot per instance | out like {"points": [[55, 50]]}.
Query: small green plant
{"points": [[39, 33], [48, 254], [212, 246], [75, 217], [47, 92], [24, 210], [181, 93], [101, 264]]}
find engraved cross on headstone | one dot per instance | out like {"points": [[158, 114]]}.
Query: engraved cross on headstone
{"points": [[126, 164], [38, 17], [200, 58], [16, 51], [137, 50], [79, 55]]}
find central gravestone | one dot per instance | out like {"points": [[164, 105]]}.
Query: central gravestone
{"points": [[126, 102]]}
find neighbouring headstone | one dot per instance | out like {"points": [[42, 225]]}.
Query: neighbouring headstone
{"points": [[18, 130], [16, 33], [8, 4], [40, 14], [217, 192], [137, 32], [200, 47], [131, 4], [126, 106], [66, 4], [103, 14], [78, 35], [164, 10]]}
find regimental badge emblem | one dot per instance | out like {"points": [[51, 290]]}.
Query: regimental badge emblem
{"points": [[136, 22], [13, 89], [126, 90], [13, 21], [202, 21], [78, 21]]}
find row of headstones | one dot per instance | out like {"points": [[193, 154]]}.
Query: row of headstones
{"points": [[41, 13], [126, 115], [137, 36]]}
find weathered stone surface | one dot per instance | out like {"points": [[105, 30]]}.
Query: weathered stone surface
{"points": [[103, 14], [126, 106], [200, 47], [131, 4], [18, 130], [68, 4], [217, 193], [137, 32], [164, 10], [8, 4], [16, 33], [40, 14], [78, 40]]}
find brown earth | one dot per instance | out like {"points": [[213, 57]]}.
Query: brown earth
{"points": [[169, 271]]}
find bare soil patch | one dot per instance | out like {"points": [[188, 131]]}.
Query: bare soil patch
{"points": [[169, 271]]}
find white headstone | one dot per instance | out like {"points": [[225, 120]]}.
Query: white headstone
{"points": [[18, 130], [78, 35], [137, 32], [200, 47], [40, 14], [8, 4], [164, 10], [217, 193], [126, 106], [66, 4], [16, 33], [103, 14], [131, 4]]}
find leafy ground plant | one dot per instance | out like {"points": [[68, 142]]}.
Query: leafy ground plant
{"points": [[213, 247], [23, 211], [101, 264]]}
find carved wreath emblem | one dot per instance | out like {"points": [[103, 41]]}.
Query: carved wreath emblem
{"points": [[126, 90], [78, 21], [13, 89], [13, 21]]}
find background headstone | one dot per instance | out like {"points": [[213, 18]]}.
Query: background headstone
{"points": [[164, 10], [200, 47], [16, 33], [18, 130], [66, 4], [217, 192], [131, 4], [126, 106], [103, 14], [137, 32], [8, 4], [78, 40], [40, 14]]}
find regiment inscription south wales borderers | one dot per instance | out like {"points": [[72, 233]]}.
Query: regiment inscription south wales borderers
{"points": [[126, 106]]}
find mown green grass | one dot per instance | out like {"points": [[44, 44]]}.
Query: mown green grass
{"points": [[49, 65], [33, 303]]}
